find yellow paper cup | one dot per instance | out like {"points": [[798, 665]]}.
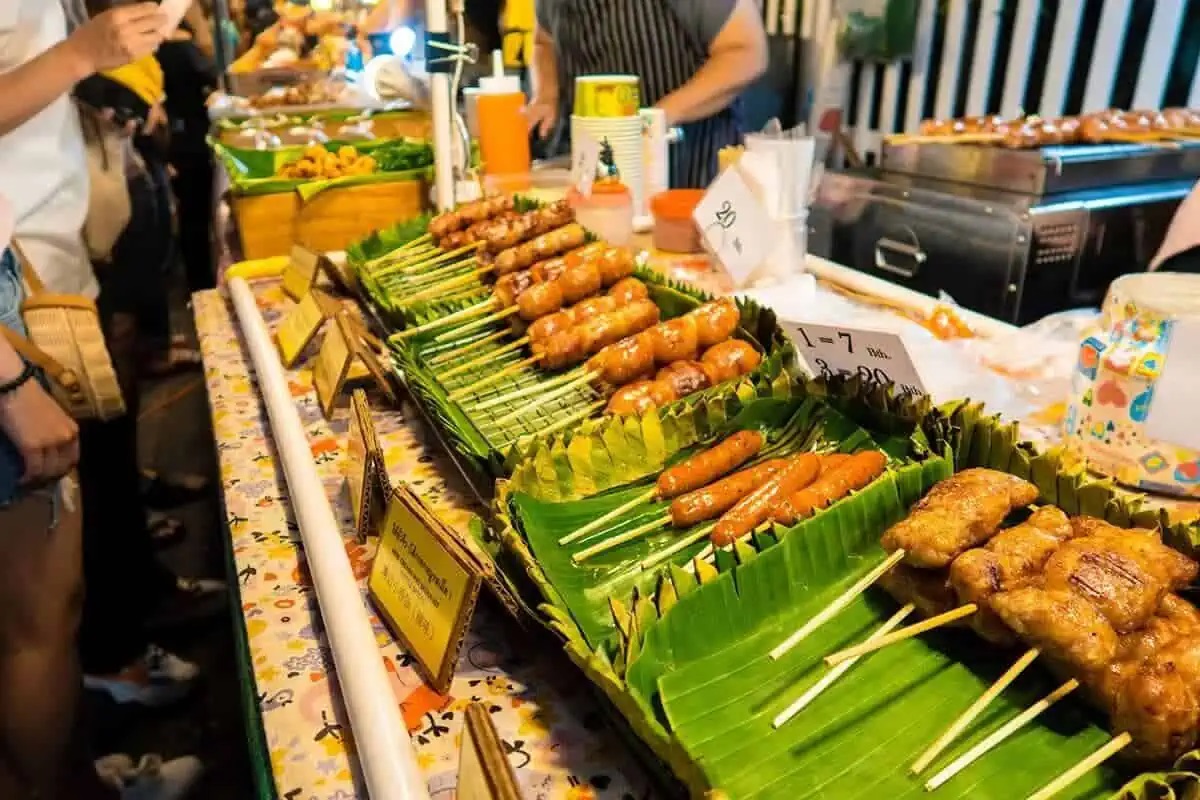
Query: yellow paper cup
{"points": [[607, 95]]}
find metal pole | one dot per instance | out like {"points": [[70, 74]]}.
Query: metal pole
{"points": [[385, 752], [441, 106]]}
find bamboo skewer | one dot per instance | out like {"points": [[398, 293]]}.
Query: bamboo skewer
{"points": [[999, 735], [486, 357], [967, 717], [419, 264], [802, 702], [837, 606], [578, 416], [442, 353], [449, 270], [607, 517], [479, 323], [421, 242], [654, 560], [548, 397], [516, 394], [917, 629], [623, 538], [442, 287], [1114, 746], [495, 377], [461, 314]]}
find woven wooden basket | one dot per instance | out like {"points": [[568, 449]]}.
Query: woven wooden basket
{"points": [[65, 330]]}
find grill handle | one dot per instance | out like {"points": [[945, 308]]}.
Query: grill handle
{"points": [[912, 253]]}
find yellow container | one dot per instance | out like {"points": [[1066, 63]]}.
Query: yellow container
{"points": [[607, 95], [269, 224]]}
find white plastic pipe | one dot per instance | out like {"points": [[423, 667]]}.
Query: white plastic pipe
{"points": [[386, 754], [442, 108]]}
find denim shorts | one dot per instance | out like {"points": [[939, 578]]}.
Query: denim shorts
{"points": [[11, 294]]}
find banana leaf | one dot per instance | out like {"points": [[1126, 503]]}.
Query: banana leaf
{"points": [[253, 172]]}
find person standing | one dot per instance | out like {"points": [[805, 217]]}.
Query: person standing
{"points": [[694, 58], [44, 171]]}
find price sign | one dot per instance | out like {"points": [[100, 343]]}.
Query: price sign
{"points": [[337, 269], [585, 158], [734, 224], [300, 326], [484, 772], [301, 273], [874, 356], [364, 465], [332, 365], [425, 584]]}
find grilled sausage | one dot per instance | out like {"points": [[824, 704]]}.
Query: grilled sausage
{"points": [[705, 467], [710, 502], [756, 507]]}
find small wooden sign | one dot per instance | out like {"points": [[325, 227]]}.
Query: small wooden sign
{"points": [[370, 360], [300, 276], [333, 364], [299, 327], [364, 465], [425, 584], [484, 771]]}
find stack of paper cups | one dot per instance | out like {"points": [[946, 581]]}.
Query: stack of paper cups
{"points": [[624, 135], [606, 109], [655, 156]]}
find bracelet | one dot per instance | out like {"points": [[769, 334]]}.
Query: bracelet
{"points": [[16, 383]]}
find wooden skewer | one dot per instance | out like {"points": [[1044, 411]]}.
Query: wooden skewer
{"points": [[428, 278], [440, 354], [517, 394], [999, 735], [486, 357], [420, 264], [905, 633], [495, 377], [479, 323], [967, 717], [623, 538], [838, 605], [654, 560], [413, 244], [565, 422], [605, 518], [548, 397], [410, 256], [444, 286], [449, 319], [832, 675], [463, 294], [1114, 746]]}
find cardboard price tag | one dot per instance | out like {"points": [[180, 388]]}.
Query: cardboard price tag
{"points": [[336, 268], [425, 584], [484, 771], [734, 224], [366, 471], [300, 326], [333, 364], [585, 158], [874, 356], [301, 273]]}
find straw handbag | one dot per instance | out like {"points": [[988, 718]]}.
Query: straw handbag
{"points": [[66, 340]]}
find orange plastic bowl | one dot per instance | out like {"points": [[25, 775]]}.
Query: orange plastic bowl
{"points": [[674, 229]]}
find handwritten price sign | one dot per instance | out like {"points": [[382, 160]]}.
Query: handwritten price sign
{"points": [[734, 224], [873, 356]]}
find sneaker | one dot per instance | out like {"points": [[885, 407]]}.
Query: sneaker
{"points": [[156, 679], [189, 600], [151, 778]]}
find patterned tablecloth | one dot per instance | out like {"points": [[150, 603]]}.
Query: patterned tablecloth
{"points": [[543, 711]]}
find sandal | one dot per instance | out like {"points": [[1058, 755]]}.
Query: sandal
{"points": [[165, 531], [163, 491]]}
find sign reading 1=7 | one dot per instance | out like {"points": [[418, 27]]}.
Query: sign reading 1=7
{"points": [[874, 356]]}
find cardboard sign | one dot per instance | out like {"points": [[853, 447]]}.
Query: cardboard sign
{"points": [[300, 326], [1171, 416], [424, 583], [364, 465], [333, 364], [734, 224], [337, 269], [874, 356], [484, 772], [379, 375], [301, 273]]}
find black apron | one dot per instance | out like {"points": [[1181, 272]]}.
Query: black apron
{"points": [[645, 38]]}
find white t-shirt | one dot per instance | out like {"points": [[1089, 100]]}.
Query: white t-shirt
{"points": [[43, 168]]}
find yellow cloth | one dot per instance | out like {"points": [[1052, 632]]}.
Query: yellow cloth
{"points": [[516, 24], [143, 77]]}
